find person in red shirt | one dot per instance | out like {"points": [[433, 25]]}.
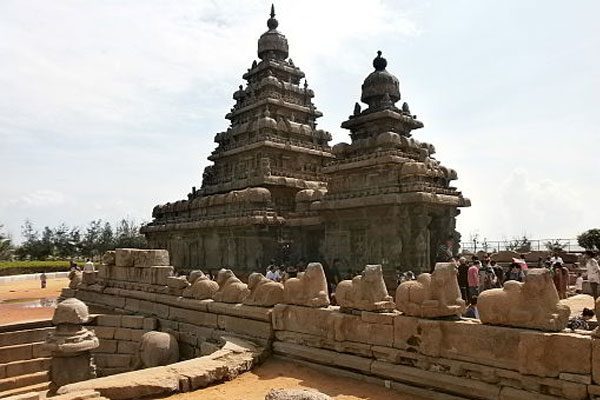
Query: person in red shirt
{"points": [[473, 279]]}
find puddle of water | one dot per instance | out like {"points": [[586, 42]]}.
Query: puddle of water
{"points": [[31, 303]]}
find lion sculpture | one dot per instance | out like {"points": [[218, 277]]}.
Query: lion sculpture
{"points": [[231, 289], [533, 303], [432, 295], [201, 287], [308, 289], [365, 292], [263, 292]]}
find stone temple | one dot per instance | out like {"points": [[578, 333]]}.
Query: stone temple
{"points": [[277, 190]]}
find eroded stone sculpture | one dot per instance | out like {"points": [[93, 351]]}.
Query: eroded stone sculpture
{"points": [[70, 345], [157, 348], [75, 279], [366, 292], [263, 292], [533, 303], [308, 289], [201, 287], [432, 295], [231, 289]]}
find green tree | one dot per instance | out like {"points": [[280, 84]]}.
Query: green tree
{"points": [[91, 238], [590, 240], [128, 234], [555, 246], [6, 247], [107, 239], [522, 245]]}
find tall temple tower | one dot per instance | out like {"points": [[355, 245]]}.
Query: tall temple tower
{"points": [[388, 200], [270, 152]]}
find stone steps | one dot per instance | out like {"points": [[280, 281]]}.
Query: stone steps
{"points": [[13, 385], [17, 352], [24, 336], [22, 367]]}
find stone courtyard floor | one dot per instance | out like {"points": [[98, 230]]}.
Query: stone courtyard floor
{"points": [[277, 373]]}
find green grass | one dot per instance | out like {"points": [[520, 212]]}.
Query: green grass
{"points": [[32, 267]]}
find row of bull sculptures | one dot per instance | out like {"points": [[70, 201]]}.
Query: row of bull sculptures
{"points": [[533, 303]]}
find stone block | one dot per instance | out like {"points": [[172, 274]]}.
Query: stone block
{"points": [[15, 353], [240, 310], [360, 349], [132, 321], [246, 327], [378, 318], [159, 274], [193, 317], [549, 354], [508, 393], [25, 367], [141, 257], [38, 350], [596, 361], [150, 324], [113, 360], [132, 305], [193, 304], [151, 308], [104, 332], [438, 381], [25, 336], [108, 320], [200, 333], [577, 378], [127, 334], [125, 347], [321, 356], [106, 346]]}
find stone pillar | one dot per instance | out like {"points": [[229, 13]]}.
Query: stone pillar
{"points": [[70, 345]]}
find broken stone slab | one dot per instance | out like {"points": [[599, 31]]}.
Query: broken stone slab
{"points": [[141, 257], [295, 394]]}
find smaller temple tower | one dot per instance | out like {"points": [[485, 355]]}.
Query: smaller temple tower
{"points": [[388, 200]]}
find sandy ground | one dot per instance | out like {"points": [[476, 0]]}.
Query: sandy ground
{"points": [[275, 374], [26, 301]]}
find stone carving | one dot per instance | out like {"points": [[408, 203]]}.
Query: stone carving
{"points": [[70, 345], [533, 303], [157, 348], [75, 279], [432, 295], [263, 292], [308, 289], [201, 288], [365, 292], [231, 289], [109, 258]]}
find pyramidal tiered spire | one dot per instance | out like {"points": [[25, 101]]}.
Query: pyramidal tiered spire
{"points": [[273, 131]]}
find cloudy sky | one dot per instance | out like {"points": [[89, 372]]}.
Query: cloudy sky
{"points": [[110, 107]]}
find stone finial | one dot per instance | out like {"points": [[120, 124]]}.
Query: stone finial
{"points": [[71, 311], [263, 292], [365, 292], [533, 303], [201, 287], [308, 289], [231, 289], [272, 23], [432, 295]]}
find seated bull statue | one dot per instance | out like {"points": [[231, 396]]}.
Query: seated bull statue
{"points": [[201, 287], [432, 295], [365, 292], [308, 289], [533, 303], [263, 292], [231, 289]]}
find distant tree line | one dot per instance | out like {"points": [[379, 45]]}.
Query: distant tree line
{"points": [[63, 242]]}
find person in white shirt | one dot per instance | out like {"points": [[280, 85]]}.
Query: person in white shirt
{"points": [[593, 272], [579, 284], [89, 266], [556, 259], [272, 274]]}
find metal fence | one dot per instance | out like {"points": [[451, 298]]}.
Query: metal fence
{"points": [[568, 245]]}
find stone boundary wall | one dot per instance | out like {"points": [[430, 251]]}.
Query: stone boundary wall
{"points": [[119, 337], [461, 358]]}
